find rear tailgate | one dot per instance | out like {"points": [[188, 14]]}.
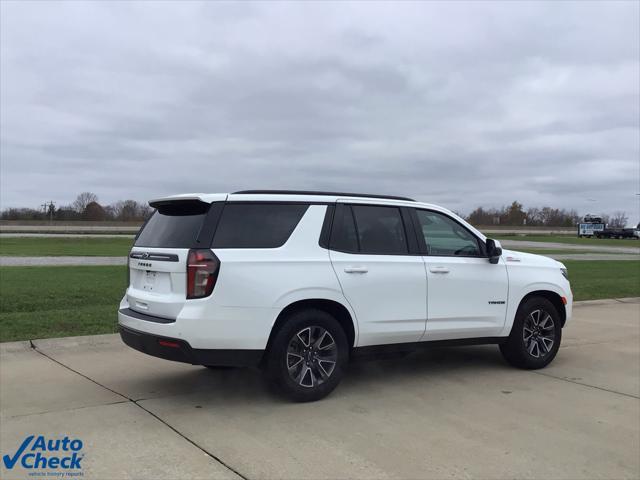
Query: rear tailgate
{"points": [[157, 287], [158, 260]]}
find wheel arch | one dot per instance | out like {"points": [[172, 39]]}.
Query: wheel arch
{"points": [[553, 297], [332, 307]]}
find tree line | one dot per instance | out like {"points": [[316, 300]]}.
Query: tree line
{"points": [[516, 215], [85, 207]]}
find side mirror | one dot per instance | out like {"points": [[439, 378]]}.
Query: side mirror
{"points": [[494, 250]]}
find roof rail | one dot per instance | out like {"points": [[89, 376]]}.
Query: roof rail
{"points": [[307, 192]]}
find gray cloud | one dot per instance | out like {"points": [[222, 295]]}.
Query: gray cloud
{"points": [[455, 103]]}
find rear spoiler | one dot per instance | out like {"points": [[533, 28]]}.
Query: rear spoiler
{"points": [[189, 197]]}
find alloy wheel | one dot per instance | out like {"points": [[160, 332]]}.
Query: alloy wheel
{"points": [[312, 354], [539, 333]]}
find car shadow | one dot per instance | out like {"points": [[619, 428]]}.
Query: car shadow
{"points": [[249, 385], [433, 362]]}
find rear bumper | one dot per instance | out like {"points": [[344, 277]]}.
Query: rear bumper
{"points": [[180, 351], [205, 325]]}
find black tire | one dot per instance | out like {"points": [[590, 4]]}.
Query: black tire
{"points": [[531, 328], [303, 362]]}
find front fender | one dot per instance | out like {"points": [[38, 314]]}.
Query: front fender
{"points": [[516, 297]]}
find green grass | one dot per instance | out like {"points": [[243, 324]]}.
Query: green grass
{"points": [[603, 279], [65, 246], [571, 240], [43, 302]]}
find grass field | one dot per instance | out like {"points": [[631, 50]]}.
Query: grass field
{"points": [[65, 246], [571, 240], [603, 279], [42, 302]]}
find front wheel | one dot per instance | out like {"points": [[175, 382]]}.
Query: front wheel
{"points": [[308, 355], [535, 336]]}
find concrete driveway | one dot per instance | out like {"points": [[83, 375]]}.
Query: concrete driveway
{"points": [[444, 413]]}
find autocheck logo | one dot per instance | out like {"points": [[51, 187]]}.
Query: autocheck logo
{"points": [[40, 453]]}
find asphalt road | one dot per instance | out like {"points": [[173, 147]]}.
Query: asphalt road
{"points": [[85, 261], [80, 261], [595, 252], [79, 227], [60, 261], [444, 413], [520, 244], [67, 235], [593, 256]]}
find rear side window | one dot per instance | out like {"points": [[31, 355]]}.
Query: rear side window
{"points": [[175, 225], [343, 233], [380, 230], [253, 225], [370, 230]]}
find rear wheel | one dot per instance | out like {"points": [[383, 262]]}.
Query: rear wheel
{"points": [[535, 336], [308, 355]]}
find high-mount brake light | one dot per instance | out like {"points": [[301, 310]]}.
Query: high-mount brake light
{"points": [[202, 273]]}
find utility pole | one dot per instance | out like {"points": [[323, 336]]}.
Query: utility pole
{"points": [[49, 207]]}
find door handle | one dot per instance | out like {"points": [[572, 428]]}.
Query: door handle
{"points": [[438, 269], [356, 269]]}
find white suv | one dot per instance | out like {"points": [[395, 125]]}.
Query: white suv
{"points": [[300, 282]]}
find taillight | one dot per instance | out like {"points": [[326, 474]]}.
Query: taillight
{"points": [[202, 273]]}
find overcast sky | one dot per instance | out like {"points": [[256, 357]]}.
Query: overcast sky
{"points": [[461, 104]]}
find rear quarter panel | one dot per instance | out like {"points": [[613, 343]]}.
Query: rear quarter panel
{"points": [[262, 282]]}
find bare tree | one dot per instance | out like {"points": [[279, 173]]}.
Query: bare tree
{"points": [[619, 219], [129, 210], [534, 216], [145, 211], [84, 199]]}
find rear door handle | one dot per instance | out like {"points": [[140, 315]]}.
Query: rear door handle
{"points": [[438, 269], [356, 269]]}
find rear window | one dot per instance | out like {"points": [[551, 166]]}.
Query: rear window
{"points": [[174, 225], [265, 225]]}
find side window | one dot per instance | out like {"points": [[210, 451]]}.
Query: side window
{"points": [[446, 237], [257, 225], [380, 230], [343, 232]]}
